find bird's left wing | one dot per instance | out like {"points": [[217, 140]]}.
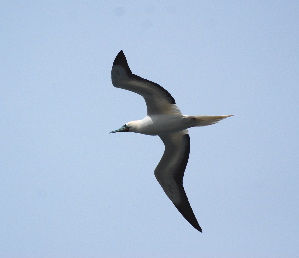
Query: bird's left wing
{"points": [[158, 100], [170, 173]]}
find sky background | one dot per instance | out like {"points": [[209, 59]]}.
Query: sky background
{"points": [[71, 189]]}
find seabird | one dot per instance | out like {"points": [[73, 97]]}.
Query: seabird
{"points": [[165, 120]]}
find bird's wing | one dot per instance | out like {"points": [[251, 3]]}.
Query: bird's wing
{"points": [[170, 172], [158, 100]]}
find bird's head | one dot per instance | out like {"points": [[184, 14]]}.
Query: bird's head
{"points": [[127, 127], [124, 128]]}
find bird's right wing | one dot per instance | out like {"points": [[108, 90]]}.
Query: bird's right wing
{"points": [[158, 100], [170, 173]]}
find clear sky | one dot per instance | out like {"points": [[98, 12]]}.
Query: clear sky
{"points": [[69, 189]]}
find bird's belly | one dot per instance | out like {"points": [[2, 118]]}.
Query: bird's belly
{"points": [[162, 125]]}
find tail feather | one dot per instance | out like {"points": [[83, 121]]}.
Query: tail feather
{"points": [[207, 120]]}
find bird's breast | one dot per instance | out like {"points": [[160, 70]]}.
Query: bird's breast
{"points": [[162, 124]]}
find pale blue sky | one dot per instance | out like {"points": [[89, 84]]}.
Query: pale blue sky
{"points": [[69, 189]]}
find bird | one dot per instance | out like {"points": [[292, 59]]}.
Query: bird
{"points": [[164, 119]]}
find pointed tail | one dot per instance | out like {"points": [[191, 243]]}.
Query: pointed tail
{"points": [[206, 120]]}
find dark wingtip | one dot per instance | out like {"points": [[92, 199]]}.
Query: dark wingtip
{"points": [[196, 225], [187, 212], [121, 60], [199, 229]]}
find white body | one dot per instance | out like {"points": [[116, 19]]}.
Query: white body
{"points": [[161, 124]]}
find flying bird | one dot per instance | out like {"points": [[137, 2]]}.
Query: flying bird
{"points": [[165, 120]]}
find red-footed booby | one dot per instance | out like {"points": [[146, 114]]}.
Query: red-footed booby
{"points": [[165, 120]]}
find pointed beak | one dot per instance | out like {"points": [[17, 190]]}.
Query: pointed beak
{"points": [[124, 128]]}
